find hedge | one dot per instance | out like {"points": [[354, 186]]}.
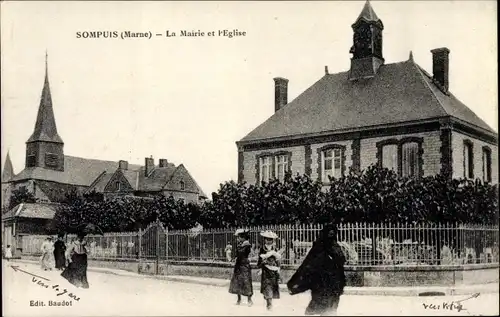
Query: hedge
{"points": [[374, 195]]}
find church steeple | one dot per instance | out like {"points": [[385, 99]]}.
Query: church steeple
{"points": [[367, 44], [45, 126], [8, 170], [45, 147]]}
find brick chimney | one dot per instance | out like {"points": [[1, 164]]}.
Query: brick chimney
{"points": [[280, 93], [440, 67], [149, 165], [123, 165], [163, 163]]}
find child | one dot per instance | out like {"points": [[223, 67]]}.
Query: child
{"points": [[269, 263], [8, 253], [228, 250], [241, 282]]}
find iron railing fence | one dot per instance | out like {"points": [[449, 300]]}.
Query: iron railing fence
{"points": [[363, 244]]}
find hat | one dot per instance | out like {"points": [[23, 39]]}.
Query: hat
{"points": [[269, 234], [241, 231]]}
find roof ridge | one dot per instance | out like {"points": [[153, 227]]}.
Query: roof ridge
{"points": [[171, 176], [421, 71]]}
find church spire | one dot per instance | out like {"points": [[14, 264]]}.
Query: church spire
{"points": [[8, 170], [45, 126]]}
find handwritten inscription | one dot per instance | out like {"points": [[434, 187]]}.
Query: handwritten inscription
{"points": [[56, 288], [445, 306], [451, 306]]}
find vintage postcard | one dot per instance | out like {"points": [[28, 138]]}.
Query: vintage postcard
{"points": [[225, 158]]}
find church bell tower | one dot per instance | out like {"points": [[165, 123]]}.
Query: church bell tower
{"points": [[44, 149], [367, 44]]}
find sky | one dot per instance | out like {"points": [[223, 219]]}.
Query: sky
{"points": [[189, 100]]}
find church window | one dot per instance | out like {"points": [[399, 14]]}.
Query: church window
{"points": [[31, 160], [51, 160]]}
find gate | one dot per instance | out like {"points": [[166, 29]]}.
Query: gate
{"points": [[153, 249]]}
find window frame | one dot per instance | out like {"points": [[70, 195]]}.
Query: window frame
{"points": [[279, 164], [182, 185], [486, 164], [322, 176], [268, 164], [468, 164], [400, 143]]}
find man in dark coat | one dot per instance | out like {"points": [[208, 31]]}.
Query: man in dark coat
{"points": [[322, 272]]}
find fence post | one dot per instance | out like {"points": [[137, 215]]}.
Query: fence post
{"points": [[157, 247], [167, 247], [139, 242]]}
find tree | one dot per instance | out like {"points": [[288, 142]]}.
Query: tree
{"points": [[21, 195]]}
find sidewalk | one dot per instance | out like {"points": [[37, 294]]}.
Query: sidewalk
{"points": [[377, 291]]}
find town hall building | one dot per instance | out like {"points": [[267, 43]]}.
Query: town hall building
{"points": [[395, 115]]}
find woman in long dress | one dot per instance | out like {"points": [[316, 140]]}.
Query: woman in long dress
{"points": [[76, 272], [269, 263], [241, 282], [46, 252], [60, 253], [322, 272]]}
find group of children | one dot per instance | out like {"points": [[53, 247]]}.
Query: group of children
{"points": [[268, 264], [321, 272]]}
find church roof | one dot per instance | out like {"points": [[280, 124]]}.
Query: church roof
{"points": [[8, 170], [77, 171], [45, 126], [400, 92]]}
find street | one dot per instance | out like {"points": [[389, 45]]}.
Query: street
{"points": [[114, 295]]}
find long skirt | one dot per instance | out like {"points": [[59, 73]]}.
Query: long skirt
{"points": [[269, 284], [76, 272], [323, 302], [45, 261], [241, 282], [60, 260]]}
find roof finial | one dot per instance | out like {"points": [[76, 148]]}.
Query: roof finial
{"points": [[411, 56], [326, 70]]}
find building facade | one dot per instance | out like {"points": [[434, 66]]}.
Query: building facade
{"points": [[395, 115]]}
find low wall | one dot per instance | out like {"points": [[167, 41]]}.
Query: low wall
{"points": [[356, 275]]}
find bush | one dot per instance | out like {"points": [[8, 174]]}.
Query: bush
{"points": [[375, 195]]}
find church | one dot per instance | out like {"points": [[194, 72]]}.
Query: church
{"points": [[395, 115], [50, 175]]}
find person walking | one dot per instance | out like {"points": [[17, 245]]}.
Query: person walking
{"points": [[269, 263], [8, 253], [60, 252], [322, 272], [46, 249], [76, 272], [241, 281]]}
